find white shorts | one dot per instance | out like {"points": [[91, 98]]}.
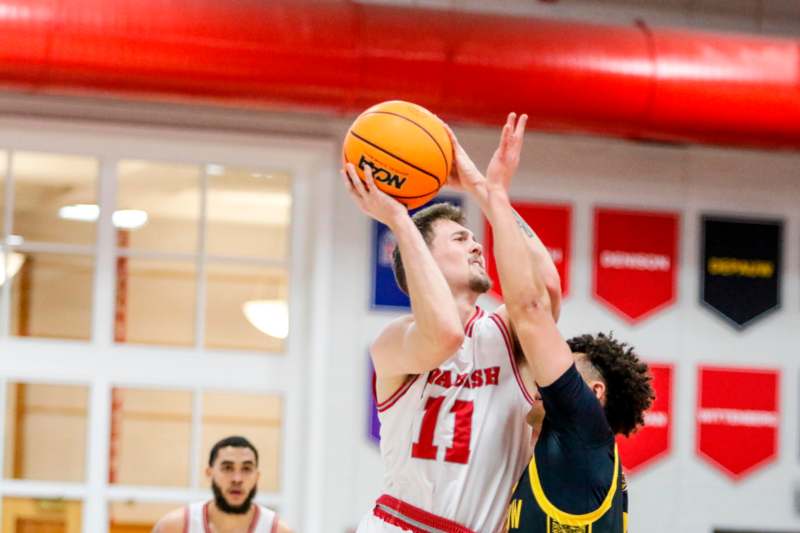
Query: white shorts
{"points": [[372, 524]]}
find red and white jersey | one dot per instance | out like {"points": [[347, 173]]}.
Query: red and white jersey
{"points": [[454, 441], [196, 519]]}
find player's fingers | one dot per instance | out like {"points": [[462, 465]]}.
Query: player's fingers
{"points": [[458, 151], [519, 131], [346, 179], [451, 134], [358, 185], [351, 190], [505, 139], [348, 182], [511, 119], [370, 181]]}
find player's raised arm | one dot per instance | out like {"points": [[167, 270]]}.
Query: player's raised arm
{"points": [[410, 345], [503, 166], [521, 269]]}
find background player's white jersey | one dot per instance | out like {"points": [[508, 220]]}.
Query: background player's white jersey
{"points": [[454, 440], [264, 521]]}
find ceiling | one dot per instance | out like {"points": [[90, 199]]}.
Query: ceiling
{"points": [[767, 17]]}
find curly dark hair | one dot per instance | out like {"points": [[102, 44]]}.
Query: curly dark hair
{"points": [[629, 390]]}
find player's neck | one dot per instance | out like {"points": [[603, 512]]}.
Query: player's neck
{"points": [[466, 305], [229, 523]]}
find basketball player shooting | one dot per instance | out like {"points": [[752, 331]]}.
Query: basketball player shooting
{"points": [[233, 472], [450, 396], [592, 387]]}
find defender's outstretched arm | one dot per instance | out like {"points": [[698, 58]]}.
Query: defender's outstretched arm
{"points": [[525, 291]]}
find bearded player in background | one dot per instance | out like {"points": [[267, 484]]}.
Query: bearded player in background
{"points": [[233, 472]]}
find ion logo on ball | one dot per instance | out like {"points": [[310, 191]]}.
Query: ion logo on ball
{"points": [[381, 174]]}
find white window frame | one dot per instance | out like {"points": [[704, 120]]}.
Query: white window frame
{"points": [[298, 375]]}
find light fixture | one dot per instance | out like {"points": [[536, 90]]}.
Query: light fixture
{"points": [[9, 269], [129, 218], [122, 218], [213, 169], [82, 212], [270, 317]]}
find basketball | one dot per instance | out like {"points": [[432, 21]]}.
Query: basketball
{"points": [[406, 146]]}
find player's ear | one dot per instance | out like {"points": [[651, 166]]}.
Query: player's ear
{"points": [[599, 390]]}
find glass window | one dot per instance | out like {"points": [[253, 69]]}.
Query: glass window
{"points": [[27, 515], [51, 295], [160, 204], [246, 307], [45, 436], [55, 197], [258, 418], [150, 437], [136, 517], [155, 302], [248, 213]]}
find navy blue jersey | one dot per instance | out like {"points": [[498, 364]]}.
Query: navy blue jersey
{"points": [[574, 482]]}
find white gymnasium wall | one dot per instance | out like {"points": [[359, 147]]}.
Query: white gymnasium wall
{"points": [[680, 492], [677, 494]]}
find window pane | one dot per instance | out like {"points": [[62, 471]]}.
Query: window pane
{"points": [[55, 197], [150, 437], [258, 418], [51, 295], [26, 515], [155, 302], [246, 307], [136, 517], [248, 212], [170, 196], [45, 437]]}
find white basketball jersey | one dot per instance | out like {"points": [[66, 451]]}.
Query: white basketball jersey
{"points": [[454, 441], [196, 519]]}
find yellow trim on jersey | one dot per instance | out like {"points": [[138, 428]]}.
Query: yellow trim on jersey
{"points": [[624, 522], [550, 530], [563, 516]]}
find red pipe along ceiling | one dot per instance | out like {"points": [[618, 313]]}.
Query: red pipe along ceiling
{"points": [[337, 55]]}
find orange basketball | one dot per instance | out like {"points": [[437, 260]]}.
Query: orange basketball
{"points": [[407, 148]]}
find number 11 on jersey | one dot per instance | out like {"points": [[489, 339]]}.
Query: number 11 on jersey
{"points": [[459, 452]]}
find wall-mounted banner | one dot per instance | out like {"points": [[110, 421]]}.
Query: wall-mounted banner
{"points": [[738, 418], [385, 292], [553, 224], [654, 440], [635, 260], [373, 422], [741, 267]]}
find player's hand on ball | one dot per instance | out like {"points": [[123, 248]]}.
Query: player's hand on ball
{"points": [[370, 199], [465, 174], [505, 161]]}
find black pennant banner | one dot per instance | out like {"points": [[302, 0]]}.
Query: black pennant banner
{"points": [[741, 267]]}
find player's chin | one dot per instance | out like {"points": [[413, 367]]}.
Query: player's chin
{"points": [[480, 283]]}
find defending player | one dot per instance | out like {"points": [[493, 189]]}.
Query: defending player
{"points": [[592, 387], [233, 471], [450, 397]]}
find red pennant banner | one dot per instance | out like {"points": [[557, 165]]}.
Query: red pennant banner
{"points": [[635, 260], [553, 225], [654, 440], [738, 418]]}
